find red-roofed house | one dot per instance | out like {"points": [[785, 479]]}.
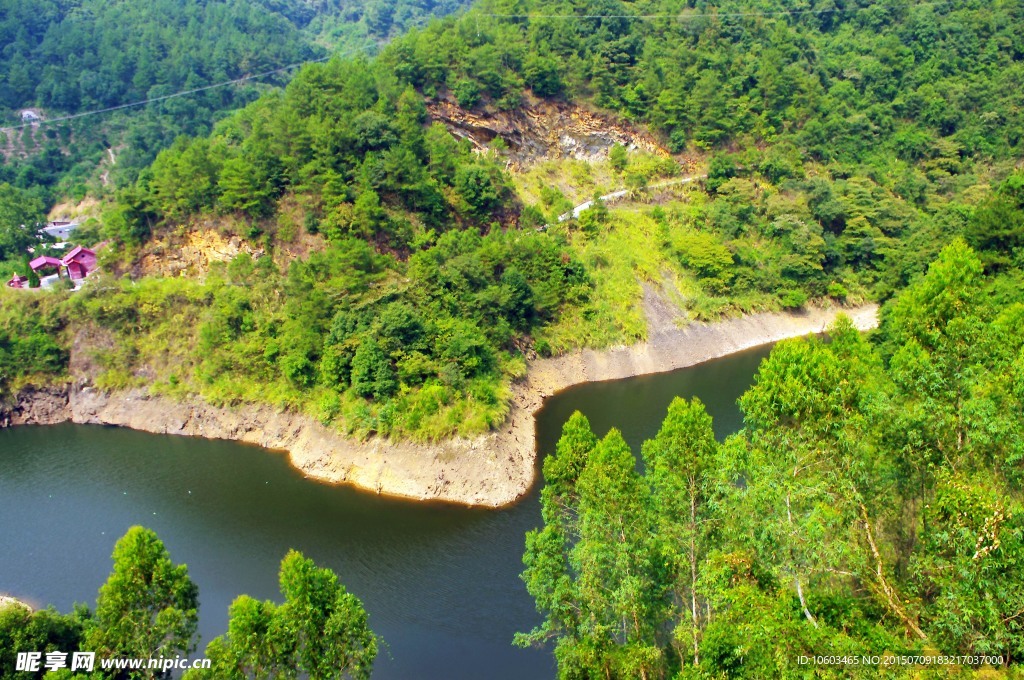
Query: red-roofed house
{"points": [[79, 262], [44, 263], [18, 281]]}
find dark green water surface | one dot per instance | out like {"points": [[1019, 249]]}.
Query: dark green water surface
{"points": [[440, 583]]}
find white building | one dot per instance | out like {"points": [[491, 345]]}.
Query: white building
{"points": [[59, 230]]}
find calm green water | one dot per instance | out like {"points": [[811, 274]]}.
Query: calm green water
{"points": [[440, 583]]}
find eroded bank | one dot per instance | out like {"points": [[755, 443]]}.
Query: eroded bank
{"points": [[492, 470]]}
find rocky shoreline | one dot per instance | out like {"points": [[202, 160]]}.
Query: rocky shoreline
{"points": [[493, 470]]}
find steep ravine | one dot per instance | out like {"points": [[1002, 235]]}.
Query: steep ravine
{"points": [[493, 470]]}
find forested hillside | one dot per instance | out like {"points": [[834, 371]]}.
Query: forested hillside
{"points": [[863, 115], [393, 280], [852, 143], [71, 56], [404, 278], [871, 507]]}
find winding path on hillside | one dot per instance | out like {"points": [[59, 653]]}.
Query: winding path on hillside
{"points": [[622, 193]]}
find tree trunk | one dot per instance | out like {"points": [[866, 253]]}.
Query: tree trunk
{"points": [[796, 574], [693, 571], [892, 597], [803, 602]]}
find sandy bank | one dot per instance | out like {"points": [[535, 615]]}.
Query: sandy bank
{"points": [[492, 470]]}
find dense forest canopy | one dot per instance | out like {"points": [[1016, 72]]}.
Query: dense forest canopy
{"points": [[72, 56], [871, 506], [75, 56], [850, 82]]}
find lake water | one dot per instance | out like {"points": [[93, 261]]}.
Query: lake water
{"points": [[441, 583]]}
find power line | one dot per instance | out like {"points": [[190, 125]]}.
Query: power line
{"points": [[282, 69], [185, 93], [695, 15]]}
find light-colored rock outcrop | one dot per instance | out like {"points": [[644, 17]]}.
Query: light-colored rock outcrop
{"points": [[492, 470], [542, 129]]}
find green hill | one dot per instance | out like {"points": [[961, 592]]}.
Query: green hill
{"points": [[65, 57], [400, 279]]}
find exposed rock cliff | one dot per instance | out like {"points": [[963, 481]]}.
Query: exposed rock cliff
{"points": [[191, 253], [47, 406], [482, 471], [542, 129]]}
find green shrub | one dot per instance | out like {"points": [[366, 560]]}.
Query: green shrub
{"points": [[372, 372], [329, 408], [618, 157], [793, 299], [467, 93], [837, 291]]}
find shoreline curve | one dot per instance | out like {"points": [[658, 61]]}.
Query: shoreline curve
{"points": [[493, 470]]}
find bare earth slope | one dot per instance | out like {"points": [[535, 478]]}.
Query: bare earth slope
{"points": [[541, 129]]}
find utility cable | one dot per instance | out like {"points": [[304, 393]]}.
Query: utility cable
{"points": [[185, 93], [683, 16], [678, 17]]}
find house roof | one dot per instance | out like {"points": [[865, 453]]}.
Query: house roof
{"points": [[18, 278], [45, 261], [78, 250]]}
